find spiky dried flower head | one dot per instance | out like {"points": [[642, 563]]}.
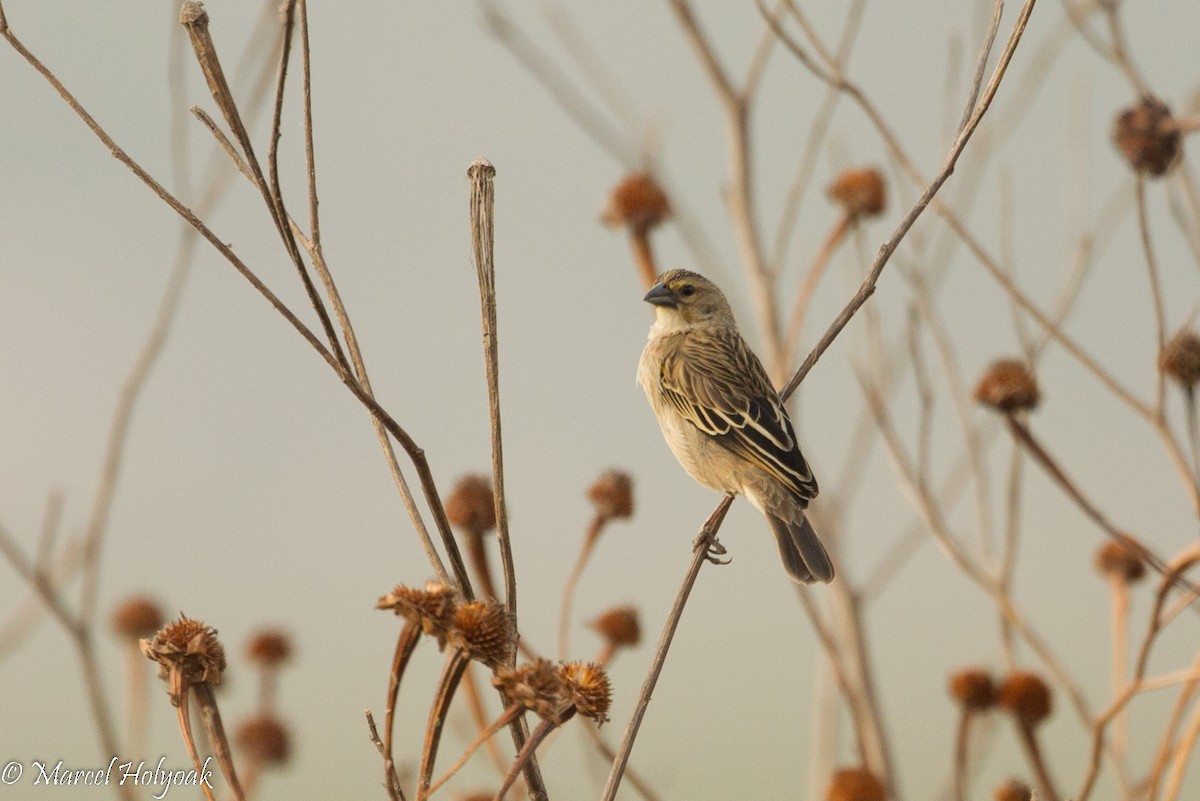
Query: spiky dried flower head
{"points": [[432, 608], [619, 626], [269, 648], [1180, 358], [612, 495], [1008, 386], [862, 193], [538, 686], [1014, 790], [136, 617], [855, 784], [1120, 561], [1148, 136], [484, 630], [187, 652], [637, 203], [1027, 697], [472, 505], [265, 740], [588, 686], [973, 688]]}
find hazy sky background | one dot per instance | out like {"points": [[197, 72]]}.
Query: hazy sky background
{"points": [[253, 491]]}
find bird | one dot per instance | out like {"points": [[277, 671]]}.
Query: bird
{"points": [[723, 419]]}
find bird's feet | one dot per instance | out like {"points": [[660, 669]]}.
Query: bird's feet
{"points": [[713, 549]]}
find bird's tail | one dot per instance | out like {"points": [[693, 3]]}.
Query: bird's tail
{"points": [[803, 555]]}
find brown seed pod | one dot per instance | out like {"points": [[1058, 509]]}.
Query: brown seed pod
{"points": [[472, 505], [187, 652], [855, 784], [484, 630], [265, 740], [431, 607], [1115, 558], [1008, 386], [1027, 697], [1180, 358], [537, 686], [1147, 136], [973, 688], [588, 686], [1014, 790], [612, 495], [137, 617], [269, 648], [862, 193], [619, 626], [637, 203]]}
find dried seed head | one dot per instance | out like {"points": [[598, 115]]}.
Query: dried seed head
{"points": [[264, 740], [537, 686], [431, 607], [1026, 697], [861, 193], [1014, 790], [619, 626], [973, 688], [855, 784], [137, 617], [637, 203], [1180, 358], [484, 630], [187, 652], [1115, 558], [1147, 136], [612, 495], [588, 686], [1008, 386], [472, 506], [269, 648]]}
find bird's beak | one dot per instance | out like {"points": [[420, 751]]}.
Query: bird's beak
{"points": [[660, 295]]}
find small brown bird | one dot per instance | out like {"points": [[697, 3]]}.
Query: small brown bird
{"points": [[722, 417]]}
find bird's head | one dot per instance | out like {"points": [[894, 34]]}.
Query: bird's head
{"points": [[683, 299]]}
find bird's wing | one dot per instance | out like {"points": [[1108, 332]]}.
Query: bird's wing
{"points": [[717, 383]]}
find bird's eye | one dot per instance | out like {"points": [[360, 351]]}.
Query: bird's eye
{"points": [[688, 290]]}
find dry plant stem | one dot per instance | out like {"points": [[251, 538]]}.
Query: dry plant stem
{"points": [[606, 751], [210, 714], [525, 756], [392, 779], [137, 708], [482, 176], [804, 296], [452, 673], [1037, 761], [1023, 435], [643, 255], [1183, 752], [184, 717], [1120, 658], [568, 597], [479, 715], [1163, 754], [476, 547], [485, 736], [961, 751], [406, 643], [700, 555]]}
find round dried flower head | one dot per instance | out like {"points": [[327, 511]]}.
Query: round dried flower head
{"points": [[1115, 558], [861, 193], [1008, 386], [855, 784], [269, 648], [187, 652], [264, 740], [1148, 136], [619, 626], [637, 203], [137, 617], [1180, 358], [482, 629], [471, 505], [1026, 697], [431, 607], [612, 495], [1014, 790], [588, 686], [973, 688], [535, 685]]}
